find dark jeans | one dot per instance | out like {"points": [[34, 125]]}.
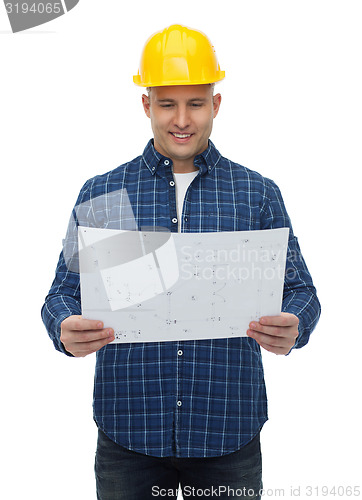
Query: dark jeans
{"points": [[121, 473]]}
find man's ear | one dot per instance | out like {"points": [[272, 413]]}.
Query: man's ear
{"points": [[146, 104], [216, 103]]}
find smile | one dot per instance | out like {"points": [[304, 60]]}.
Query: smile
{"points": [[181, 136]]}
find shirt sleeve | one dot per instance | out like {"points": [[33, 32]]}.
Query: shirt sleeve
{"points": [[299, 296], [63, 299]]}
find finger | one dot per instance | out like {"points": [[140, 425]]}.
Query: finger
{"points": [[83, 349], [270, 340], [268, 330], [83, 337], [283, 319], [80, 324]]}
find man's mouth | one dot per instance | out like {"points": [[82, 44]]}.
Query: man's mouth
{"points": [[180, 136]]}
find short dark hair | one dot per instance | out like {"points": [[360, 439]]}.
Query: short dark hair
{"points": [[149, 88]]}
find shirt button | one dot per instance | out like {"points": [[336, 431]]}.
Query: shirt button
{"points": [[179, 352], [179, 403], [174, 220], [153, 169], [166, 162], [172, 183]]}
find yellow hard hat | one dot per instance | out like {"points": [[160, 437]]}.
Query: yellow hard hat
{"points": [[178, 56]]}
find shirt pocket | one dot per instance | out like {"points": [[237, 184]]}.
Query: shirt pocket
{"points": [[227, 220]]}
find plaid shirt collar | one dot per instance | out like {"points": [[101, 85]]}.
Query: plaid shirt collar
{"points": [[205, 161]]}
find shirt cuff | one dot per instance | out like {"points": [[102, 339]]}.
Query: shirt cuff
{"points": [[300, 334], [59, 344]]}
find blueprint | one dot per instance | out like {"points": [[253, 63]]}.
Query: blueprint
{"points": [[160, 286]]}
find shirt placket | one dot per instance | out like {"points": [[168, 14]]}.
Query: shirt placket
{"points": [[171, 193], [177, 352], [182, 396]]}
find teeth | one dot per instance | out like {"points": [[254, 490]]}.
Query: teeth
{"points": [[181, 136]]}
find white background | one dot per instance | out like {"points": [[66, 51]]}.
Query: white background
{"points": [[291, 110]]}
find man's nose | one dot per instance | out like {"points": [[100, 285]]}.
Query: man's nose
{"points": [[182, 119]]}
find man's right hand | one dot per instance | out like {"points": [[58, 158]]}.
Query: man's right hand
{"points": [[81, 337]]}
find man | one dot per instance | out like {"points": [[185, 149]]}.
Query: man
{"points": [[187, 412]]}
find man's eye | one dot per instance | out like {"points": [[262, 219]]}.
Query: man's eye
{"points": [[165, 105], [196, 105]]}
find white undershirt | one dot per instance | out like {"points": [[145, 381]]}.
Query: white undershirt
{"points": [[182, 182]]}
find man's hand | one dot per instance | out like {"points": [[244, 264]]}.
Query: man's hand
{"points": [[82, 336], [275, 333]]}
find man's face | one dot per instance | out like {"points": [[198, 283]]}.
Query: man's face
{"points": [[181, 119]]}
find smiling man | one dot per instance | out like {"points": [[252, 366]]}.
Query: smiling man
{"points": [[182, 412]]}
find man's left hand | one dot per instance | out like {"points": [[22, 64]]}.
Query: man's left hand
{"points": [[275, 333]]}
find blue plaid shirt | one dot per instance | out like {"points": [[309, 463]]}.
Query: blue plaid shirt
{"points": [[196, 398]]}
